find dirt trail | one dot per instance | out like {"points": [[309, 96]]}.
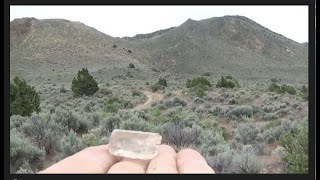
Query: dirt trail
{"points": [[151, 97]]}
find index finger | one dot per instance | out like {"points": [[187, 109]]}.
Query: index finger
{"points": [[95, 159]]}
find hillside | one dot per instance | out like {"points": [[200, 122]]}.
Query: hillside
{"points": [[233, 45], [230, 44], [56, 46]]}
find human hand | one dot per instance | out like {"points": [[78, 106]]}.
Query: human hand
{"points": [[97, 160]]}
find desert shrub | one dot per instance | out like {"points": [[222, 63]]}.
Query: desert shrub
{"points": [[114, 46], [272, 124], [173, 102], [296, 150], [175, 133], [245, 163], [88, 107], [199, 82], [16, 121], [63, 90], [242, 111], [229, 77], [22, 149], [274, 80], [206, 74], [110, 123], [105, 91], [198, 100], [154, 69], [25, 168], [136, 124], [84, 125], [200, 93], [304, 92], [232, 101], [274, 87], [273, 134], [129, 51], [278, 152], [112, 105], [136, 93], [212, 143], [71, 144], [175, 114], [84, 84], [168, 94], [94, 118], [44, 132], [90, 139], [221, 162], [156, 87], [34, 127], [270, 116], [225, 83], [127, 104], [67, 118], [131, 65], [155, 112], [23, 98], [52, 136], [246, 133], [162, 82]]}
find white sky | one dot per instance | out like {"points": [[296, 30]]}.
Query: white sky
{"points": [[120, 21]]}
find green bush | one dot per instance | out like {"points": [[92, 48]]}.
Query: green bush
{"points": [[111, 108], [136, 124], [200, 93], [131, 65], [23, 98], [160, 85], [199, 82], [90, 139], [296, 150], [274, 87], [162, 82], [71, 144], [226, 83], [156, 87], [84, 84]]}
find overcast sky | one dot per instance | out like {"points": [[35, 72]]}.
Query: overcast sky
{"points": [[120, 21]]}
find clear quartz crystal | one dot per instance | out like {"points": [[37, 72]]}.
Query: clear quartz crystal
{"points": [[134, 144]]}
